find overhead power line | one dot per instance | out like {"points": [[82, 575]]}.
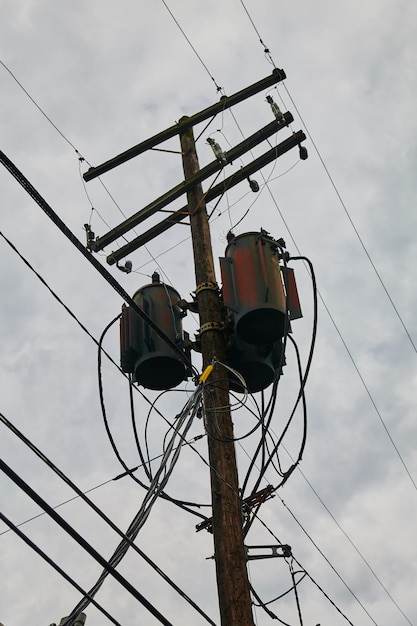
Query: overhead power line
{"points": [[39, 107], [99, 512], [338, 332], [191, 45], [339, 196], [47, 209], [55, 566], [82, 542]]}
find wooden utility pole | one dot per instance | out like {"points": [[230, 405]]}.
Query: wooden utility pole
{"points": [[229, 553]]}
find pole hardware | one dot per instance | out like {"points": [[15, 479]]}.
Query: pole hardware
{"points": [[229, 514], [279, 550], [210, 326], [225, 103], [183, 187], [204, 286], [214, 192], [248, 503]]}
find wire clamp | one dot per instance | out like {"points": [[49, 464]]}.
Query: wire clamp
{"points": [[210, 326], [206, 286]]}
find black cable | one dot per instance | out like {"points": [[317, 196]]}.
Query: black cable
{"points": [[222, 437], [150, 498], [261, 444], [84, 544], [327, 561], [55, 566], [302, 385], [146, 466], [47, 209], [99, 512], [265, 608], [287, 591], [128, 471], [297, 600]]}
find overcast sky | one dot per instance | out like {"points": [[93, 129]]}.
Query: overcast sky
{"points": [[108, 75]]}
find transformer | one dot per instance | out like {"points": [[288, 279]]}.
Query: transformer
{"points": [[252, 288], [258, 365], [143, 353]]}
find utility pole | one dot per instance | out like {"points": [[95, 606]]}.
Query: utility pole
{"points": [[229, 553], [229, 550]]}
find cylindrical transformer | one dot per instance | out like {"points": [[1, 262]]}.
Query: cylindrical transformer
{"points": [[143, 352], [252, 288], [258, 365]]}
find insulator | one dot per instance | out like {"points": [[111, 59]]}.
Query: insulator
{"points": [[275, 109], [218, 152]]}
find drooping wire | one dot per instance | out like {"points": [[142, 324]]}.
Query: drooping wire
{"points": [[301, 396], [287, 591], [146, 465], [297, 600], [110, 436], [54, 565]]}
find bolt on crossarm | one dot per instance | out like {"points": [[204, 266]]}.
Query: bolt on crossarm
{"points": [[230, 558]]}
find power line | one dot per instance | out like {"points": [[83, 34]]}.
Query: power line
{"points": [[39, 107], [330, 177], [101, 350], [185, 419], [191, 45], [47, 209], [97, 510], [354, 545], [53, 564], [310, 577], [83, 543], [339, 333], [81, 159]]}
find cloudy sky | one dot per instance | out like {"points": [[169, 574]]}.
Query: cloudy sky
{"points": [[95, 78]]}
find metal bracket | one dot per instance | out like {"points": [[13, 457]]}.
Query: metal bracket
{"points": [[279, 550], [256, 498], [206, 286], [210, 326]]}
